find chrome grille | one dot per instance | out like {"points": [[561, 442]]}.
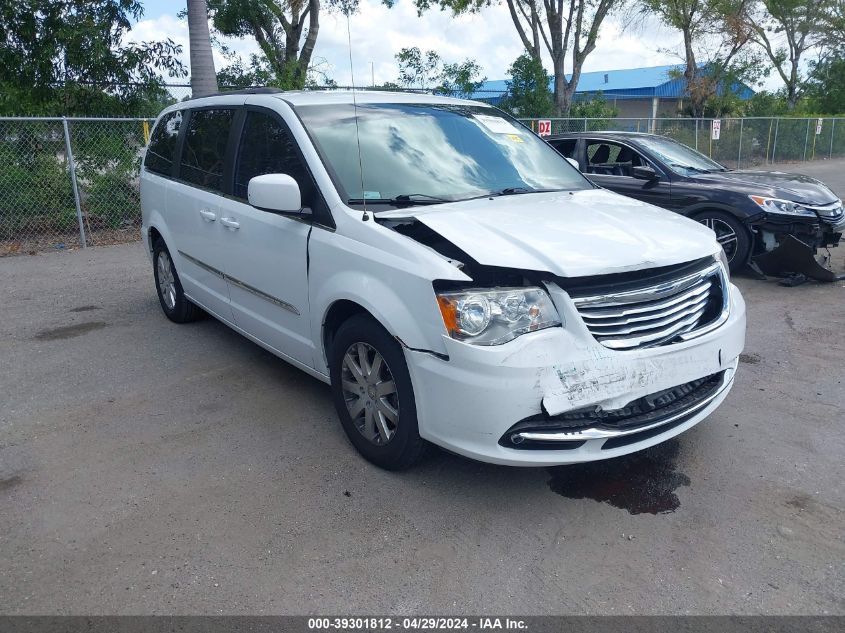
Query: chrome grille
{"points": [[658, 314]]}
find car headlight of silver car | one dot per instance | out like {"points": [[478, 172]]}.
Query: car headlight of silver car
{"points": [[782, 207], [493, 317]]}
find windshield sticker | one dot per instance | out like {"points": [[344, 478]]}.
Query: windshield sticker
{"points": [[515, 138], [496, 124], [372, 195]]}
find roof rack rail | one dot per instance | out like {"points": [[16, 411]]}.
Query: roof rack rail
{"points": [[256, 90]]}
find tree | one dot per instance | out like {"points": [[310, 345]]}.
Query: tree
{"points": [[285, 30], [425, 70], [528, 93], [418, 69], [825, 86], [562, 27], [203, 78], [715, 39], [69, 57], [461, 79], [787, 30]]}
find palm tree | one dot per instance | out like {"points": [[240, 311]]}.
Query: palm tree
{"points": [[203, 77]]}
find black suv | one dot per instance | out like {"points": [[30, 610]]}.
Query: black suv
{"points": [[752, 212]]}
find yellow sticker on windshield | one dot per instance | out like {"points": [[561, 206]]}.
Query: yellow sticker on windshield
{"points": [[515, 138]]}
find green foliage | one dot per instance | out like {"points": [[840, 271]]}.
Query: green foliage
{"points": [[286, 33], [37, 195], [528, 93], [67, 56], [825, 88], [425, 70], [596, 107]]}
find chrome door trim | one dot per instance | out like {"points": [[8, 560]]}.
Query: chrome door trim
{"points": [[244, 286]]}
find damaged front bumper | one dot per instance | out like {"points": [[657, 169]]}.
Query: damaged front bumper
{"points": [[473, 403], [788, 246]]}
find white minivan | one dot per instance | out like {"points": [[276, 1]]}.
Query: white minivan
{"points": [[453, 277]]}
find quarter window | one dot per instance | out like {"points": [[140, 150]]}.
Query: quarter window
{"points": [[266, 147], [159, 158], [205, 148]]}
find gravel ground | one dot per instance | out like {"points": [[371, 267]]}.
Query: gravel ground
{"points": [[147, 468]]}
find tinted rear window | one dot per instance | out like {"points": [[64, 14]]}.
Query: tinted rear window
{"points": [[159, 156], [205, 147]]}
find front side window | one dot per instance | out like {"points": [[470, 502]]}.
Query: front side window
{"points": [[612, 159], [205, 147], [266, 147], [442, 152], [159, 158], [565, 146]]}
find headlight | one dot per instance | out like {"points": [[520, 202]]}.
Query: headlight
{"points": [[493, 317], [782, 207]]}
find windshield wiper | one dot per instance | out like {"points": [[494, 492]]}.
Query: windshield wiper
{"points": [[511, 191], [402, 199], [698, 169]]}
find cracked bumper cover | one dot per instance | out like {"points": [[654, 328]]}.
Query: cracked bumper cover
{"points": [[465, 404]]}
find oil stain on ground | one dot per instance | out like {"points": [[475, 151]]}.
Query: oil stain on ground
{"points": [[644, 482], [10, 482], [69, 331], [85, 308]]}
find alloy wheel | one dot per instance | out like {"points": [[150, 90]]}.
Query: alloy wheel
{"points": [[166, 281], [724, 234], [370, 393]]}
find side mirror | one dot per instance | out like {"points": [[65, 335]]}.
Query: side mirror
{"points": [[644, 173], [573, 162], [277, 193]]}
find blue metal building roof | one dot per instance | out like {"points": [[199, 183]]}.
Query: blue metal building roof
{"points": [[631, 83]]}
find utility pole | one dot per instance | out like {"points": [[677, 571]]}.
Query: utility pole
{"points": [[372, 75]]}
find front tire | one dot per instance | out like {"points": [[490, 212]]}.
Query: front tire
{"points": [[173, 301], [373, 395], [731, 234]]}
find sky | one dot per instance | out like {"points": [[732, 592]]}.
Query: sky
{"points": [[378, 33]]}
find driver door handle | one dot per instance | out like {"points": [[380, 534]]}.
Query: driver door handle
{"points": [[231, 223], [210, 216]]}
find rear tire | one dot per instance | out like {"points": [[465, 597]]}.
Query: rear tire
{"points": [[174, 303], [373, 395], [732, 235]]}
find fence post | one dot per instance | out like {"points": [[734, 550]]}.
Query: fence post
{"points": [[775, 146], [72, 167], [832, 130], [739, 156], [806, 140], [696, 134], [585, 124]]}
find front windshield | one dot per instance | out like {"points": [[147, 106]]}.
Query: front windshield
{"points": [[680, 158], [429, 153]]}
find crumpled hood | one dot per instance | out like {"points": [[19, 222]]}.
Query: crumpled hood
{"points": [[792, 187], [589, 232]]}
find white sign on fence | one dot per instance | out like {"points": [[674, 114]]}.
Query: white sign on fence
{"points": [[715, 129], [819, 127], [544, 127]]}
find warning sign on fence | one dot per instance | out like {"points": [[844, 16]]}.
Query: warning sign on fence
{"points": [[715, 129], [544, 127], [819, 126]]}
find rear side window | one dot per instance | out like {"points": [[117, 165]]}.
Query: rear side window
{"points": [[159, 158], [204, 151], [266, 147]]}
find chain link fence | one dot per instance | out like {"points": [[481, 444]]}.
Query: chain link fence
{"points": [[74, 182], [69, 182], [743, 142]]}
